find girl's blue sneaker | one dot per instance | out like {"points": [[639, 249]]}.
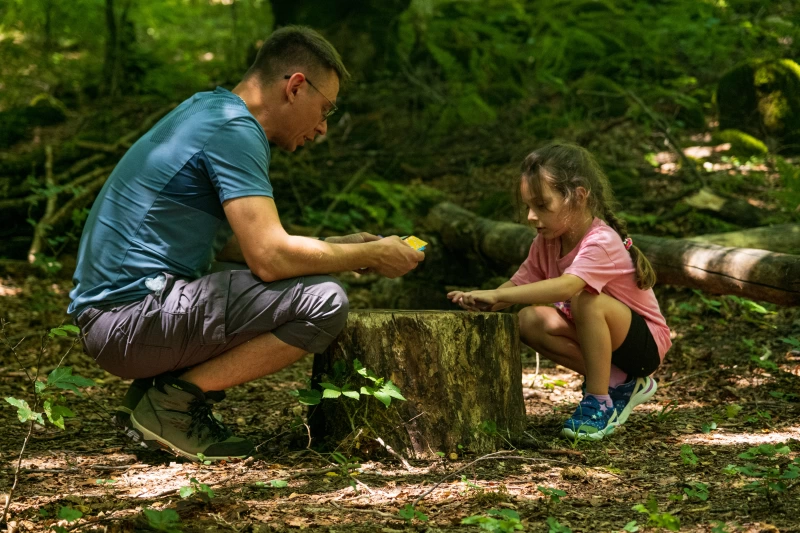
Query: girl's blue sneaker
{"points": [[629, 395], [590, 421]]}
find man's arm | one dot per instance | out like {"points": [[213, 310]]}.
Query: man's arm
{"points": [[272, 254]]}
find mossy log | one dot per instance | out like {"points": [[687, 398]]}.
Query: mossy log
{"points": [[459, 372], [745, 272], [782, 238]]}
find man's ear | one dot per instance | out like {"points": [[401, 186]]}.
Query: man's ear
{"points": [[293, 85]]}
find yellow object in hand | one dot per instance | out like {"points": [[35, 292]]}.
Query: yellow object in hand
{"points": [[416, 243]]}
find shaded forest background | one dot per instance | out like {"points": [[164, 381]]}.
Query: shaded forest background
{"points": [[447, 97]]}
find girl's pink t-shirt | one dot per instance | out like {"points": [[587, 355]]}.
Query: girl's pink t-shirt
{"points": [[603, 263]]}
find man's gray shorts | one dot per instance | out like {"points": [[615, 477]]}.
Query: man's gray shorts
{"points": [[190, 322]]}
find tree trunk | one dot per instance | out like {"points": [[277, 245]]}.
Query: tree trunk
{"points": [[459, 372], [112, 51], [755, 274]]}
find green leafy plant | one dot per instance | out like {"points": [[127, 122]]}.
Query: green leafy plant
{"points": [[381, 389], [166, 520], [631, 527], [697, 491], [687, 455], [47, 398], [553, 495], [794, 342], [732, 410], [760, 418], [667, 411], [195, 488], [472, 486], [769, 479], [554, 526], [70, 515], [274, 483], [551, 383], [409, 513], [656, 518], [504, 521]]}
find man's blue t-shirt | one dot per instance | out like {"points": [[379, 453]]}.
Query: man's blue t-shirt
{"points": [[161, 208]]}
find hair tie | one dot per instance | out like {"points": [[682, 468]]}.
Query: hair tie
{"points": [[628, 243]]}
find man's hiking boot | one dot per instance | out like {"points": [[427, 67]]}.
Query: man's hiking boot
{"points": [[122, 415], [176, 415]]}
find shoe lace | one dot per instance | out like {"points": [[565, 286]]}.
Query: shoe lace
{"points": [[204, 424]]}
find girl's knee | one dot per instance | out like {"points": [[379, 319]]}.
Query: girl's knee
{"points": [[585, 304], [530, 319]]}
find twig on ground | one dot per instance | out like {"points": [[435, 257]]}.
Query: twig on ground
{"points": [[396, 455]]}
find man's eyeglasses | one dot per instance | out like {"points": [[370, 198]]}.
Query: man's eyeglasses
{"points": [[327, 114]]}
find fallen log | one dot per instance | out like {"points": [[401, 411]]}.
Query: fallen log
{"points": [[459, 372], [745, 272], [783, 238]]}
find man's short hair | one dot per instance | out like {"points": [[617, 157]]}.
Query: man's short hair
{"points": [[296, 47]]}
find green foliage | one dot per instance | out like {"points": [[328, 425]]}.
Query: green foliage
{"points": [[375, 203], [554, 526], [166, 520], [274, 484], [195, 488], [506, 521], [408, 513], [631, 526], [382, 390], [656, 518], [697, 491], [742, 144], [668, 411], [790, 179], [688, 456], [48, 396], [554, 495], [769, 478], [70, 515]]}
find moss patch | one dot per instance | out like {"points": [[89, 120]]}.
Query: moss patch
{"points": [[762, 98]]}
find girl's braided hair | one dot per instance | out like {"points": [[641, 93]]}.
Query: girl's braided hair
{"points": [[566, 167]]}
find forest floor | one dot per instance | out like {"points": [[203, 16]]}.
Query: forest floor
{"points": [[730, 383], [714, 450]]}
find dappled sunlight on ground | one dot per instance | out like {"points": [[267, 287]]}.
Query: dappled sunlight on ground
{"points": [[724, 437]]}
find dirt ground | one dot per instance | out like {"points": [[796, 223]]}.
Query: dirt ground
{"points": [[730, 383]]}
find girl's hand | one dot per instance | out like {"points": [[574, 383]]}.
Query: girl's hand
{"points": [[474, 300], [482, 300]]}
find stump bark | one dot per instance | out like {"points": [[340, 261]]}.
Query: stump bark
{"points": [[460, 373]]}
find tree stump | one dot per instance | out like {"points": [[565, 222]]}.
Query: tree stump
{"points": [[459, 372]]}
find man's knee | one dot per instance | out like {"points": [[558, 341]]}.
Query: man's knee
{"points": [[328, 304]]}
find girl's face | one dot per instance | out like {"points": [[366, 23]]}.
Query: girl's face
{"points": [[549, 214]]}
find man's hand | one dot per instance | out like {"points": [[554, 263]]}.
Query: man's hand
{"points": [[355, 238], [395, 257], [474, 300]]}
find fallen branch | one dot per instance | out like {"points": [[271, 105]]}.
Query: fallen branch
{"points": [[40, 231]]}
